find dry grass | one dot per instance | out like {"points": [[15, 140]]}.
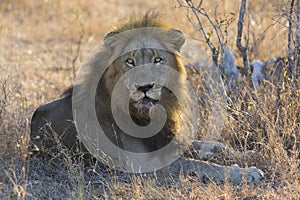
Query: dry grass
{"points": [[39, 55]]}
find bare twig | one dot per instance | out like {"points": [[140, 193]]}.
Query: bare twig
{"points": [[262, 36], [242, 49], [200, 4], [198, 10], [219, 35], [272, 61], [248, 30], [4, 96], [297, 45], [290, 32], [78, 49]]}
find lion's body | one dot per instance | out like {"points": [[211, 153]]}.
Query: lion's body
{"points": [[52, 123], [48, 118], [139, 112]]}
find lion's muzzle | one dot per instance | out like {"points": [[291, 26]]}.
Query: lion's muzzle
{"points": [[145, 96], [145, 88]]}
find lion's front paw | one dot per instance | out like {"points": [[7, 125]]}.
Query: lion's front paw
{"points": [[238, 174], [254, 174], [204, 150], [234, 174]]}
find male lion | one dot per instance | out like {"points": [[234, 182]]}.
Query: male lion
{"points": [[126, 48]]}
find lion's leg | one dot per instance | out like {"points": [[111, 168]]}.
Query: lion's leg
{"points": [[214, 172], [204, 150]]}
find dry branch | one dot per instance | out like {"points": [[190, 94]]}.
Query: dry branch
{"points": [[296, 68], [293, 54], [75, 58], [242, 49], [290, 31], [197, 11]]}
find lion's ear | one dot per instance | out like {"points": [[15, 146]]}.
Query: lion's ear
{"points": [[108, 38], [110, 34], [176, 37]]}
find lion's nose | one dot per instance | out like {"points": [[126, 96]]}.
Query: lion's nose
{"points": [[145, 88]]}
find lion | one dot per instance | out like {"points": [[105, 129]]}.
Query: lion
{"points": [[126, 48]]}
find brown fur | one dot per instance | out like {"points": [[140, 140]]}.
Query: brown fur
{"points": [[47, 115], [52, 124]]}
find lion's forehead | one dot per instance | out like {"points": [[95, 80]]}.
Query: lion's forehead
{"points": [[143, 42], [144, 56]]}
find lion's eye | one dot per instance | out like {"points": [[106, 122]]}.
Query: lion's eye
{"points": [[157, 60], [130, 62]]}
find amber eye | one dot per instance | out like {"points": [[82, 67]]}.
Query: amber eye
{"points": [[130, 62], [157, 60]]}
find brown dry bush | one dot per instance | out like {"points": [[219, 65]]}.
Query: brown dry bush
{"points": [[39, 52]]}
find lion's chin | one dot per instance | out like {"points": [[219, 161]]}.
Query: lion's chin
{"points": [[143, 106]]}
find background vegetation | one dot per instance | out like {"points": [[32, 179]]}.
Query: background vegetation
{"points": [[42, 44]]}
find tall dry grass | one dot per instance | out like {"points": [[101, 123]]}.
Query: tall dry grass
{"points": [[39, 54]]}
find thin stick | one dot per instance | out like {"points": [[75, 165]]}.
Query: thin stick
{"points": [[290, 20], [297, 45], [242, 49]]}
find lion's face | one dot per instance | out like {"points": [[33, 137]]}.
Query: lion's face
{"points": [[143, 91], [149, 51], [142, 88]]}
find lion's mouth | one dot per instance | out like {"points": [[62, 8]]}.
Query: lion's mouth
{"points": [[143, 105], [147, 99]]}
